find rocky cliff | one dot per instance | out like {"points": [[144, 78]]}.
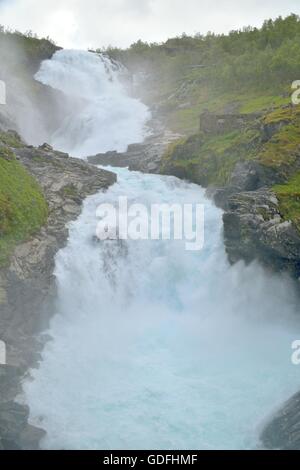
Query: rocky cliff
{"points": [[253, 175], [27, 283], [283, 431]]}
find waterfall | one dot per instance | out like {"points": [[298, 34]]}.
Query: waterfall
{"points": [[97, 113], [153, 346]]}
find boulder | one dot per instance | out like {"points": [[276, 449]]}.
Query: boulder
{"points": [[283, 430], [254, 229], [13, 420]]}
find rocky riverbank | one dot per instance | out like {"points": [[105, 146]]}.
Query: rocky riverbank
{"points": [[145, 157], [27, 285], [254, 226]]}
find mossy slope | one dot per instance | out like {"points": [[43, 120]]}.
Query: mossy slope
{"points": [[288, 195], [23, 209], [273, 141], [210, 159]]}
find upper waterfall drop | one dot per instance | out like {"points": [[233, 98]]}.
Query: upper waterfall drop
{"points": [[97, 113]]}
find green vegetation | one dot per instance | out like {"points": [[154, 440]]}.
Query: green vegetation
{"points": [[281, 151], [23, 52], [20, 58], [248, 70], [23, 209], [210, 159], [289, 199], [274, 142], [70, 191], [11, 139]]}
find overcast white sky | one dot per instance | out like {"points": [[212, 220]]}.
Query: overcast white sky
{"points": [[96, 23]]}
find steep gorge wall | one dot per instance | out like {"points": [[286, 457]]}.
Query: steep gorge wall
{"points": [[253, 174]]}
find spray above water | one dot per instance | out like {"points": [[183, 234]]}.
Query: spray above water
{"points": [[154, 346], [98, 115]]}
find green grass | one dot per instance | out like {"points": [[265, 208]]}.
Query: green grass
{"points": [[289, 199], [210, 159], [11, 139], [255, 104], [23, 209], [70, 191], [282, 150], [186, 120]]}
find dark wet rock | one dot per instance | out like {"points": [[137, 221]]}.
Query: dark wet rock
{"points": [[283, 431], [15, 432], [246, 176], [30, 437], [251, 175], [46, 147], [271, 128], [13, 421], [254, 229]]}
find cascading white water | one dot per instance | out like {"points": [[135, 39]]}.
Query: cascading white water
{"points": [[157, 347], [100, 115]]}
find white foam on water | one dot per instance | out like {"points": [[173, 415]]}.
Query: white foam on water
{"points": [[155, 347], [100, 116]]}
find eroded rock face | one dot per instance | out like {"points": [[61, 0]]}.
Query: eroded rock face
{"points": [[253, 225], [254, 229], [27, 285], [66, 182], [247, 176], [15, 433], [13, 420]]}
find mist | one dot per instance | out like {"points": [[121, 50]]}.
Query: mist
{"points": [[154, 347]]}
